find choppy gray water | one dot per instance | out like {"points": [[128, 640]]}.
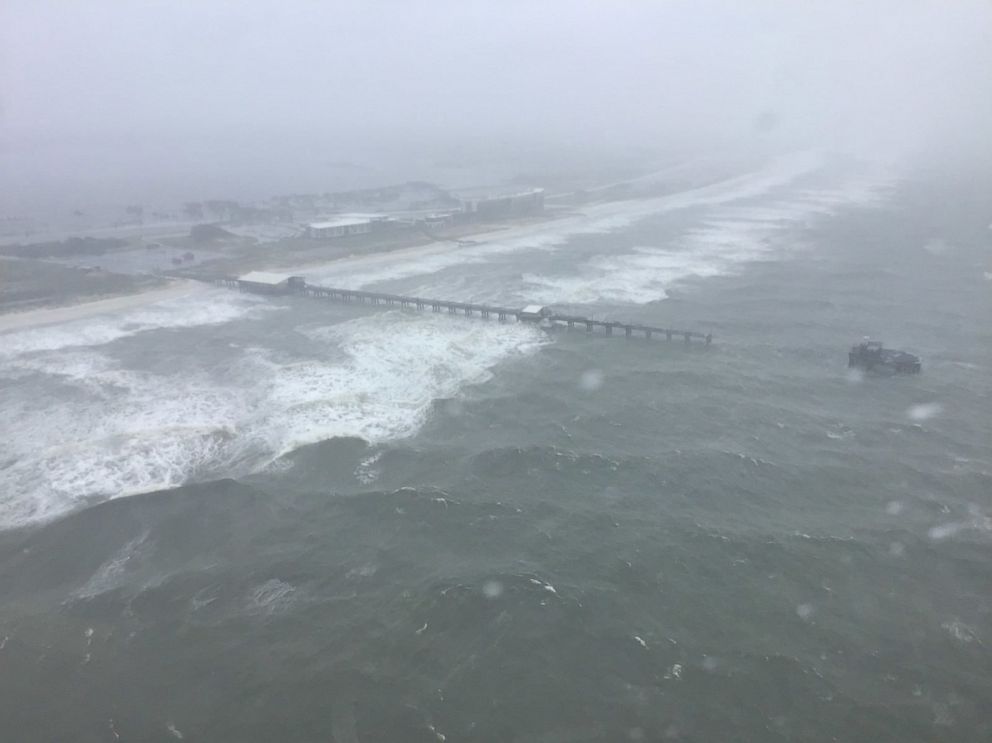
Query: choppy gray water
{"points": [[381, 526]]}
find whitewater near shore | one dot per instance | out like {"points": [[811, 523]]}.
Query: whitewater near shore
{"points": [[12, 321], [192, 382]]}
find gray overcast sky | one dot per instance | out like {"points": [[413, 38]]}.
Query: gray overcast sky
{"points": [[865, 74]]}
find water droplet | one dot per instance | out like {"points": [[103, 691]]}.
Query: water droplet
{"points": [[924, 411], [893, 507], [943, 531], [591, 380], [805, 611], [492, 589]]}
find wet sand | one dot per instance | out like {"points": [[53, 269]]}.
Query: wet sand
{"points": [[66, 313]]}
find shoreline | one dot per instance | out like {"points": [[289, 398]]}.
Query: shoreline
{"points": [[15, 320], [415, 249], [22, 320]]}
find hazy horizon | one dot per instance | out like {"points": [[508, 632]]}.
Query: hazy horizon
{"points": [[114, 100]]}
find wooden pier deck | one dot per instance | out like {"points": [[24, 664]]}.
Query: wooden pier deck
{"points": [[546, 318]]}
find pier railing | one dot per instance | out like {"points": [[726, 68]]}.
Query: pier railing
{"points": [[546, 318]]}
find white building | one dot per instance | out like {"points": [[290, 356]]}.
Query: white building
{"points": [[344, 225], [534, 313]]}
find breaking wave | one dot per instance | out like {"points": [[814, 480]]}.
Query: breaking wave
{"points": [[122, 432], [728, 237]]}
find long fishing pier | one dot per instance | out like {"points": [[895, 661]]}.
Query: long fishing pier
{"points": [[265, 283]]}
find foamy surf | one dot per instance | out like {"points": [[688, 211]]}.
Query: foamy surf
{"points": [[209, 308], [118, 432], [727, 237], [397, 364]]}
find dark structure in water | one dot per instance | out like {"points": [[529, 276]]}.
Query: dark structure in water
{"points": [[870, 356]]}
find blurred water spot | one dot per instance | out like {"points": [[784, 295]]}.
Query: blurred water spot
{"points": [[943, 531], [805, 611], [924, 411], [591, 380], [854, 376], [492, 589], [937, 247], [893, 507]]}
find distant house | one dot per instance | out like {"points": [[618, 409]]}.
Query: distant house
{"points": [[264, 282], [345, 225], [437, 221], [495, 203]]}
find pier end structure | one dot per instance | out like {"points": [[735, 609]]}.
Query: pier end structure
{"points": [[266, 282]]}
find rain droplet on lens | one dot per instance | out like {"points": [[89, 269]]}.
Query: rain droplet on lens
{"points": [[854, 376], [924, 411], [591, 380], [805, 611], [944, 531], [492, 589]]}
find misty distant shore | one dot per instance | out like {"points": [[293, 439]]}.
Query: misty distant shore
{"points": [[149, 252]]}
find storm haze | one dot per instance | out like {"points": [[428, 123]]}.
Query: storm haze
{"points": [[254, 98], [518, 370]]}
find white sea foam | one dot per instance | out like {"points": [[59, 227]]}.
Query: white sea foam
{"points": [[397, 365], [272, 597], [123, 432], [210, 308], [108, 576], [728, 236]]}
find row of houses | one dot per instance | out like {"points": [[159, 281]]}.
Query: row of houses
{"points": [[476, 205], [490, 204], [345, 225]]}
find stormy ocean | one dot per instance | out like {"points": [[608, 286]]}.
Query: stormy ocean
{"points": [[227, 517]]}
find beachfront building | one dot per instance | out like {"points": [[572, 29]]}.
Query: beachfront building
{"points": [[345, 225], [495, 203]]}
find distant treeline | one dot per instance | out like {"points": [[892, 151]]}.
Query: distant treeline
{"points": [[64, 248]]}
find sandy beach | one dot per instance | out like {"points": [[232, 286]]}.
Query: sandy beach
{"points": [[50, 315]]}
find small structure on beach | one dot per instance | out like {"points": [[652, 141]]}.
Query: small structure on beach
{"points": [[264, 282]]}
